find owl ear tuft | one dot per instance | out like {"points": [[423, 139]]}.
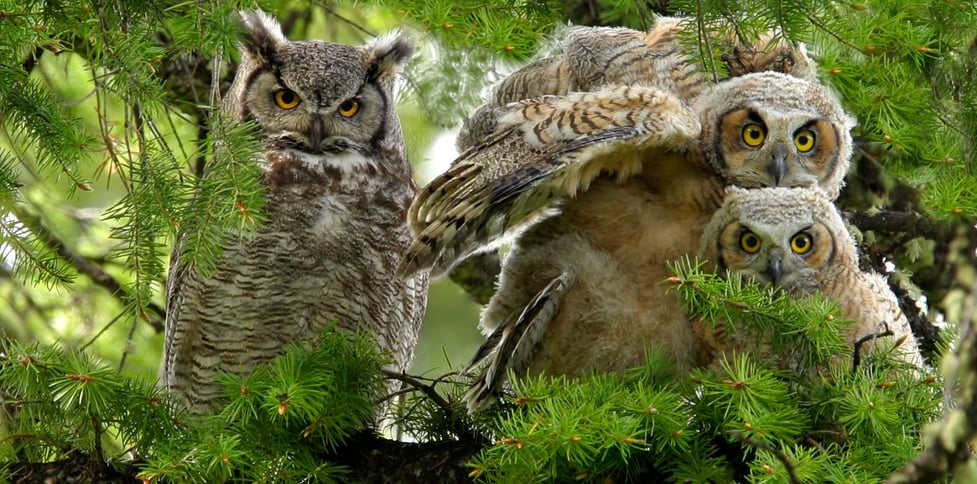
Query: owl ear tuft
{"points": [[263, 36], [388, 54]]}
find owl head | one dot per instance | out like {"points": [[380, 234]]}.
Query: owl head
{"points": [[318, 97], [784, 236], [769, 129]]}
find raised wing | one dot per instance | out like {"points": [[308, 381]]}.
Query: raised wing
{"points": [[542, 150], [593, 58], [596, 57]]}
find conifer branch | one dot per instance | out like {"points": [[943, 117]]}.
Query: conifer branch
{"points": [[85, 266], [779, 454], [891, 222], [427, 390], [449, 410], [949, 447], [857, 358]]}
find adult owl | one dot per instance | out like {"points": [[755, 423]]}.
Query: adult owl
{"points": [[338, 187], [795, 239], [603, 188]]}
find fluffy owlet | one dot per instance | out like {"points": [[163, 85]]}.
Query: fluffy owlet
{"points": [[795, 238], [594, 57], [338, 187], [609, 185]]}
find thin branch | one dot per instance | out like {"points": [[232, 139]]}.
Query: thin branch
{"points": [[93, 271], [704, 38], [856, 360], [128, 347], [425, 389], [102, 331], [779, 454], [351, 23], [948, 448], [463, 431]]}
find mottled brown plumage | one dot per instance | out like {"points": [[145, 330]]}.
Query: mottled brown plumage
{"points": [[596, 57], [338, 187], [602, 190], [795, 238]]}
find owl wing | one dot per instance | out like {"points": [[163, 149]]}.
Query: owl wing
{"points": [[176, 334], [542, 150], [594, 57], [512, 344], [875, 309]]}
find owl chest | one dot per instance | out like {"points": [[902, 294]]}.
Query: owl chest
{"points": [[642, 228], [311, 250]]}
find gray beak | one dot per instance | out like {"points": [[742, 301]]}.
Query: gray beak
{"points": [[317, 132], [778, 165], [775, 270]]}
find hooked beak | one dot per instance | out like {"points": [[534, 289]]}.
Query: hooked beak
{"points": [[317, 132], [775, 269], [778, 165]]}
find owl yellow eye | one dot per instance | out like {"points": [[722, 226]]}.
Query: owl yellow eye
{"points": [[804, 140], [801, 243], [749, 242], [754, 134], [349, 108], [286, 99]]}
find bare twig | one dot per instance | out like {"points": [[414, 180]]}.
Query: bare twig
{"points": [[856, 360], [85, 266], [350, 22], [463, 431], [419, 385], [779, 454]]}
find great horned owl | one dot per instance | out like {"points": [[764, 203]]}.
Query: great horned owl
{"points": [[594, 57], [338, 187], [612, 184], [795, 238]]}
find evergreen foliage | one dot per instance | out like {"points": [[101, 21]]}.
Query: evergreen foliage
{"points": [[745, 420], [278, 424]]}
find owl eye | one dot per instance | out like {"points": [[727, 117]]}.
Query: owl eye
{"points": [[349, 108], [286, 99], [801, 243], [804, 140], [749, 242], [754, 134]]}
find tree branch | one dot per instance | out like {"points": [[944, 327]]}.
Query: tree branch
{"points": [[779, 454], [368, 458], [88, 268], [462, 431], [857, 356], [425, 389], [949, 448]]}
